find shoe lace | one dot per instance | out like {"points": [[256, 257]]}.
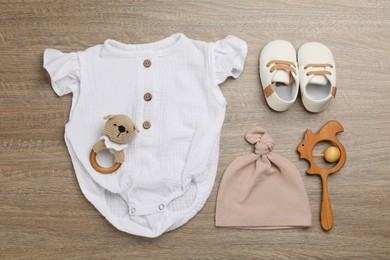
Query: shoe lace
{"points": [[318, 72], [282, 65], [285, 65]]}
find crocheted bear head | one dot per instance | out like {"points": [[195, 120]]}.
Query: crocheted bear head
{"points": [[119, 129]]}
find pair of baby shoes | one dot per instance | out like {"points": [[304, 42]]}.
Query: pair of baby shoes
{"points": [[282, 75]]}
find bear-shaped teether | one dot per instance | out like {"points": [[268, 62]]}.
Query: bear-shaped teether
{"points": [[118, 132]]}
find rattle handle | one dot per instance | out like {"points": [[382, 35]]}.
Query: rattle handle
{"points": [[326, 207]]}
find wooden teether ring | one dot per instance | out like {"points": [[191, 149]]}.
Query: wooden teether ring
{"points": [[336, 154], [97, 167]]}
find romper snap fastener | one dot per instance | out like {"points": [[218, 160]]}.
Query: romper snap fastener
{"points": [[147, 97], [147, 63], [146, 124], [133, 210], [161, 207]]}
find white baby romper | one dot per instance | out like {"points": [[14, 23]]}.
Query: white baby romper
{"points": [[170, 166]]}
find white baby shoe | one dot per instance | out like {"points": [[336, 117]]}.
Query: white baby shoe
{"points": [[279, 74], [317, 74]]}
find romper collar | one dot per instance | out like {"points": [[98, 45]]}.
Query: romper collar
{"points": [[159, 48]]}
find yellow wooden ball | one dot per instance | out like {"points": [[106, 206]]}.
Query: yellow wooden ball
{"points": [[332, 154]]}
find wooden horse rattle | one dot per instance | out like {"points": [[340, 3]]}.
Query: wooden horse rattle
{"points": [[118, 131], [335, 153]]}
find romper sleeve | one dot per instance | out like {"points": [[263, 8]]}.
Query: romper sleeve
{"points": [[64, 70], [229, 58]]}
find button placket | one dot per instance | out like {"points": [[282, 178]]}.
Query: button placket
{"points": [[149, 68]]}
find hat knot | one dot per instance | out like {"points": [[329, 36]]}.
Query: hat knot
{"points": [[261, 139]]}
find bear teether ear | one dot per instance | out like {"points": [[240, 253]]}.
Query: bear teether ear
{"points": [[107, 117]]}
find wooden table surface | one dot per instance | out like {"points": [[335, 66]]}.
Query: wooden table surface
{"points": [[43, 213]]}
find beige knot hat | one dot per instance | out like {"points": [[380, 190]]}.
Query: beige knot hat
{"points": [[262, 190]]}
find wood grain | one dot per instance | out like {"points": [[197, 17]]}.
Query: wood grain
{"points": [[327, 134], [44, 215]]}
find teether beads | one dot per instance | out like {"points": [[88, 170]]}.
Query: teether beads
{"points": [[331, 155]]}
